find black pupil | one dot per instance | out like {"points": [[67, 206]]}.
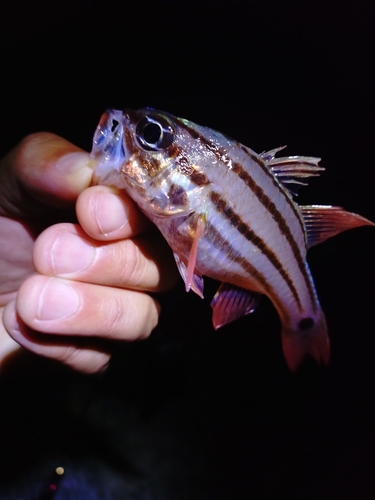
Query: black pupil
{"points": [[152, 133]]}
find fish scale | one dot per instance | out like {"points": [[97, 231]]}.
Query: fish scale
{"points": [[227, 213]]}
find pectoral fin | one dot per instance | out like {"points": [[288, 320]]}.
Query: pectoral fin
{"points": [[322, 222], [193, 280], [198, 233], [231, 302]]}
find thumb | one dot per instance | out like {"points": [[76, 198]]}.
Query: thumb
{"points": [[44, 169]]}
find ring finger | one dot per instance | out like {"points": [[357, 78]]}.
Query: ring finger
{"points": [[57, 306]]}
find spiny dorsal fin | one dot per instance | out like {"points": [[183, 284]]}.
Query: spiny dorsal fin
{"points": [[292, 171], [324, 221]]}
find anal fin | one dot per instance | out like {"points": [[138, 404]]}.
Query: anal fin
{"points": [[231, 302]]}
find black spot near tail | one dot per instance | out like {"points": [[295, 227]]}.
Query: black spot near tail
{"points": [[306, 323]]}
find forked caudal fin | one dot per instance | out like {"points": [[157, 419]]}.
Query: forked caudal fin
{"points": [[309, 338]]}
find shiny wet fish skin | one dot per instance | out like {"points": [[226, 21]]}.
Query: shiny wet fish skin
{"points": [[228, 213]]}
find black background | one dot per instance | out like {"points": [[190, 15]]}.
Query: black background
{"points": [[193, 413]]}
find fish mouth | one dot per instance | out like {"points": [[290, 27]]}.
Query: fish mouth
{"points": [[108, 149], [108, 135]]}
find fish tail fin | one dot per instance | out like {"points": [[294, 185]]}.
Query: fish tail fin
{"points": [[310, 337]]}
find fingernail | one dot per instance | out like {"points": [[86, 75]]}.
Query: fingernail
{"points": [[57, 301], [110, 213], [72, 162], [71, 254]]}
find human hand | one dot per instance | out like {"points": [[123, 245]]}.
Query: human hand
{"points": [[66, 288]]}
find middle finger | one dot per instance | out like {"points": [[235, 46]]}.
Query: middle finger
{"points": [[142, 263]]}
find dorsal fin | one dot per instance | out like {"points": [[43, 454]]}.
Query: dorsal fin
{"points": [[292, 171], [324, 221]]}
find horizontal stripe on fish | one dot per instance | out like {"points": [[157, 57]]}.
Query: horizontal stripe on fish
{"points": [[221, 155], [217, 240], [255, 158], [281, 222], [244, 229], [176, 191], [258, 191]]}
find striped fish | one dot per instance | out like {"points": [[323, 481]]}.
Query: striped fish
{"points": [[227, 213]]}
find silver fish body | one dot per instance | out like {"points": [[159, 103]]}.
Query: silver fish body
{"points": [[227, 213]]}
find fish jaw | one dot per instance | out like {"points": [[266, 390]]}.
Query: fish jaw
{"points": [[108, 150]]}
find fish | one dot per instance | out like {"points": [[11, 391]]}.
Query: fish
{"points": [[228, 213]]}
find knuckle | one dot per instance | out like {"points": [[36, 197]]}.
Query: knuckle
{"points": [[115, 316], [131, 317], [66, 355], [151, 318], [28, 147], [34, 139], [83, 360], [134, 266]]}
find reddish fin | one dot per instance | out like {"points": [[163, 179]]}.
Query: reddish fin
{"points": [[307, 340], [196, 283], [231, 302], [199, 232], [322, 222]]}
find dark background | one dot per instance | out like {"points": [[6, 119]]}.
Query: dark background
{"points": [[192, 413]]}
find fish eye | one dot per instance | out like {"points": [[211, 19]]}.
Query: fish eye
{"points": [[154, 132]]}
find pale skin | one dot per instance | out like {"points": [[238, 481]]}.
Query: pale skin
{"points": [[67, 289]]}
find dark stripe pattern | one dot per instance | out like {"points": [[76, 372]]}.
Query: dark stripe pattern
{"points": [[221, 155], [283, 226], [269, 174], [217, 240], [244, 229]]}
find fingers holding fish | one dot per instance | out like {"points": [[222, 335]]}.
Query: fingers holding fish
{"points": [[83, 294], [143, 263]]}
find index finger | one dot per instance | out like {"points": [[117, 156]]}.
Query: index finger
{"points": [[107, 214]]}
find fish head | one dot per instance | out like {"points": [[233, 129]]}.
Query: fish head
{"points": [[152, 156]]}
